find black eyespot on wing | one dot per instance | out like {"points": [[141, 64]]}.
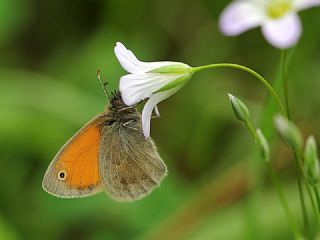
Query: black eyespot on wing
{"points": [[62, 175]]}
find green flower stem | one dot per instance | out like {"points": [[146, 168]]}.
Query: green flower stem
{"points": [[316, 192], [285, 82], [277, 185], [298, 166], [302, 200], [283, 201], [303, 175], [252, 130], [249, 70], [300, 176]]}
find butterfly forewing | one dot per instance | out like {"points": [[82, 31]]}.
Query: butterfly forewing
{"points": [[130, 166], [74, 171]]}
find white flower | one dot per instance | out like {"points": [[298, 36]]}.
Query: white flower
{"points": [[278, 19], [154, 80]]}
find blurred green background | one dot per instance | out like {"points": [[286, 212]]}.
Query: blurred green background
{"points": [[217, 187]]}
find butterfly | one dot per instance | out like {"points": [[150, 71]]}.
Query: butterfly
{"points": [[109, 153]]}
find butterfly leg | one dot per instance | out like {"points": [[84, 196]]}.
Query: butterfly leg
{"points": [[156, 112], [126, 108], [126, 124]]}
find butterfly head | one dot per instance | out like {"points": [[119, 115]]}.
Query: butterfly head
{"points": [[116, 101], [119, 111]]}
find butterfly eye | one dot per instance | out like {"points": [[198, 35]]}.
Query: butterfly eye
{"points": [[62, 175]]}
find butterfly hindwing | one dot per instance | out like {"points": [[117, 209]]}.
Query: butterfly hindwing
{"points": [[130, 165]]}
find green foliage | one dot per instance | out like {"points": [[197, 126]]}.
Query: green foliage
{"points": [[50, 53]]}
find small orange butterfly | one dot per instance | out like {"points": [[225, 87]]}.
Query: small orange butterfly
{"points": [[108, 153]]}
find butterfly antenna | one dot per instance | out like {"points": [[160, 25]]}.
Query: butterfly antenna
{"points": [[103, 84]]}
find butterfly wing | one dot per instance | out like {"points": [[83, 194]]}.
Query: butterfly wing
{"points": [[129, 164], [74, 171]]}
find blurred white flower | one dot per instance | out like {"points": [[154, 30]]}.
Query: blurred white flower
{"points": [[278, 19], [154, 80]]}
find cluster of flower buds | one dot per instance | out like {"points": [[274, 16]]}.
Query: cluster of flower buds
{"points": [[242, 113], [292, 136], [289, 132]]}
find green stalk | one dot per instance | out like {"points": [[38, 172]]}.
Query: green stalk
{"points": [[303, 175], [249, 70], [300, 175], [288, 115], [302, 201], [252, 130], [277, 185], [285, 82], [283, 201]]}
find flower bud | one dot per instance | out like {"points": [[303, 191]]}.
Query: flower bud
{"points": [[311, 161], [239, 108], [264, 146], [288, 132]]}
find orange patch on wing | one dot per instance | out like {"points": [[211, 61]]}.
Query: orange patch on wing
{"points": [[80, 158]]}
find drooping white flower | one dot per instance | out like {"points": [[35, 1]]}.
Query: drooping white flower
{"points": [[154, 80], [278, 19]]}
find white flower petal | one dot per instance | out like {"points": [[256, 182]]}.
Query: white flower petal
{"points": [[132, 65], [150, 105], [304, 4], [127, 59], [137, 87], [240, 16], [283, 32]]}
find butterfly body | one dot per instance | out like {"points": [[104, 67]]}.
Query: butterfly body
{"points": [[109, 153]]}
